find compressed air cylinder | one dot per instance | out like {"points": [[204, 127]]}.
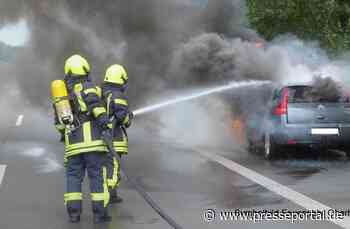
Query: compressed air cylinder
{"points": [[61, 102]]}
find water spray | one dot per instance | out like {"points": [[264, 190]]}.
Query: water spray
{"points": [[202, 93], [161, 105]]}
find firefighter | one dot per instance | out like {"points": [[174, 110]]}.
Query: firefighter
{"points": [[114, 95], [84, 148]]}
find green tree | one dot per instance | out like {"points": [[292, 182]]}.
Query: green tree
{"points": [[327, 21]]}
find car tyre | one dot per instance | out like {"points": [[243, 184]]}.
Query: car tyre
{"points": [[270, 148]]}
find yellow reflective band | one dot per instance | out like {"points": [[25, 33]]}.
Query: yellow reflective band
{"points": [[105, 187], [74, 152], [85, 145], [97, 197], [126, 120], [121, 150], [91, 90], [99, 92], [82, 104], [97, 111], [121, 146], [87, 132], [117, 172], [121, 102], [112, 183], [73, 196], [104, 196], [120, 143], [77, 90]]}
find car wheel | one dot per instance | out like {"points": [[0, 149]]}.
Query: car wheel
{"points": [[270, 148]]}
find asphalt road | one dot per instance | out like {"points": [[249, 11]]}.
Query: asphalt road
{"points": [[181, 180]]}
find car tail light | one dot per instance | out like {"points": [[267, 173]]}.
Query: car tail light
{"points": [[282, 107], [292, 142]]}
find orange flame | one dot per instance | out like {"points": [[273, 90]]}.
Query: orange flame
{"points": [[238, 129]]}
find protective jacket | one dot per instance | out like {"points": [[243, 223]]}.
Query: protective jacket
{"points": [[117, 105], [90, 119]]}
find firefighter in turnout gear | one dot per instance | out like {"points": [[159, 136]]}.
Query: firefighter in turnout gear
{"points": [[84, 148], [114, 95]]}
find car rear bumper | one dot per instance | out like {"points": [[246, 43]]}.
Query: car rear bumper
{"points": [[302, 135]]}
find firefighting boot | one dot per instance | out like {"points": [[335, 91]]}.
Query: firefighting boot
{"points": [[74, 212], [74, 218], [114, 198], [100, 213]]}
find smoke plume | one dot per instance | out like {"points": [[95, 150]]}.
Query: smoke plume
{"points": [[164, 44], [143, 35], [210, 57]]}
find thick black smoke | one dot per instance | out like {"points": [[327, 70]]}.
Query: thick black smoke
{"points": [[210, 57], [143, 35], [324, 90]]}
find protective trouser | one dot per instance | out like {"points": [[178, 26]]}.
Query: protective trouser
{"points": [[120, 143], [117, 109], [94, 163]]}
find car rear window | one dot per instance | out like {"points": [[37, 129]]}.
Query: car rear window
{"points": [[307, 94]]}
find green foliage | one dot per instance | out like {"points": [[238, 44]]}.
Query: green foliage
{"points": [[327, 21]]}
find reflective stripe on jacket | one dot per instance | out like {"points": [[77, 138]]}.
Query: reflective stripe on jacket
{"points": [[88, 110], [117, 107]]}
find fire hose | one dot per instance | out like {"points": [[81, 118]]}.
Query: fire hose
{"points": [[108, 139]]}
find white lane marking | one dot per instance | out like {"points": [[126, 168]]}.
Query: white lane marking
{"points": [[273, 186], [2, 172], [19, 120]]}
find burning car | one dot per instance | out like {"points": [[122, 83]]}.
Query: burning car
{"points": [[315, 116]]}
